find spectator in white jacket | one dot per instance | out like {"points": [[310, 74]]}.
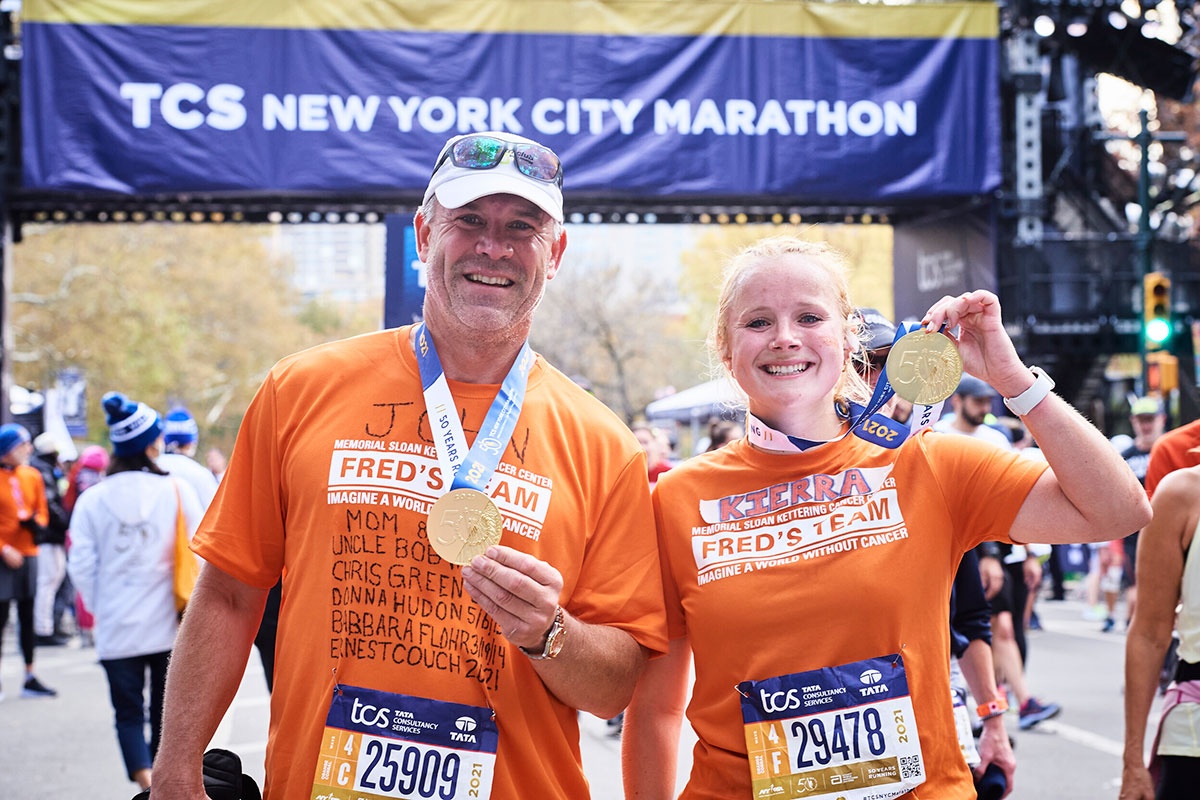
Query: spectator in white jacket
{"points": [[122, 562], [181, 434]]}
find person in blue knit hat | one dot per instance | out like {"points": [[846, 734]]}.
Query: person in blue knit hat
{"points": [[23, 514], [122, 562], [181, 435]]}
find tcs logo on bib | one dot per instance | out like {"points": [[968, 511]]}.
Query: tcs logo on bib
{"points": [[367, 714]]}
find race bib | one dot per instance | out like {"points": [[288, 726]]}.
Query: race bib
{"points": [[838, 732], [381, 745]]}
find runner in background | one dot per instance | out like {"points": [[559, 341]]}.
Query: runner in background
{"points": [[657, 448], [23, 515], [1169, 567], [1174, 450], [1009, 571], [790, 571], [1148, 418]]}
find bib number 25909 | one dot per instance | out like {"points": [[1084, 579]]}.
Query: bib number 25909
{"points": [[384, 746]]}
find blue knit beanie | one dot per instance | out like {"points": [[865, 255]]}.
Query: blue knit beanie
{"points": [[11, 435], [132, 427], [181, 428]]}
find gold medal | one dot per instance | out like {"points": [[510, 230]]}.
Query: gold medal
{"points": [[924, 367], [462, 524]]}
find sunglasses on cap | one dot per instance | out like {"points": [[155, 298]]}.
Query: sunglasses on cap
{"points": [[480, 151]]}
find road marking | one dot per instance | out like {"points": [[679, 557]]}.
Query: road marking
{"points": [[1083, 629], [1083, 737]]}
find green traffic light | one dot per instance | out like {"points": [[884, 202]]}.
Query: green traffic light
{"points": [[1158, 330]]}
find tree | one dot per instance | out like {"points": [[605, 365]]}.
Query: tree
{"points": [[163, 312], [619, 328]]}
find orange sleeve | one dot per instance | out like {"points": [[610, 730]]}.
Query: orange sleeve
{"points": [[1159, 466], [243, 532], [620, 581], [11, 531], [984, 486]]}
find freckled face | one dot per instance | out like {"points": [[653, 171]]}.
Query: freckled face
{"points": [[787, 339]]}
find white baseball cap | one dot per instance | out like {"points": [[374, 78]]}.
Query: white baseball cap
{"points": [[455, 185]]}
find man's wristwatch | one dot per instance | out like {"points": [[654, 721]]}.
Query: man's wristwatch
{"points": [[554, 639], [992, 708], [1025, 402]]}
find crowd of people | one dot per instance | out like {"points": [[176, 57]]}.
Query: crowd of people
{"points": [[96, 540], [464, 548]]}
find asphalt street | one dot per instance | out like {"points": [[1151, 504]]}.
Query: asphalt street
{"points": [[65, 747]]}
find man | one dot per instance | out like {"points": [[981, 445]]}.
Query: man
{"points": [[52, 551], [1148, 418], [180, 437], [385, 649], [23, 516], [651, 440], [1008, 572], [971, 404]]}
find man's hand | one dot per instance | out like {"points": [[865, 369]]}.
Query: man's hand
{"points": [[995, 748], [518, 591], [991, 574], [12, 557]]}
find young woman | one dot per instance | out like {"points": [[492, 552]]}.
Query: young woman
{"points": [[122, 562], [808, 568]]}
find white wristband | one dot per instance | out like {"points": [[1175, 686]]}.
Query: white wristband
{"points": [[1027, 400]]}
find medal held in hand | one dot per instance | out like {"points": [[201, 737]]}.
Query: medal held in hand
{"points": [[924, 367], [463, 523]]}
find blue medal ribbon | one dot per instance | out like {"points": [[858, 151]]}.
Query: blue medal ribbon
{"points": [[473, 468]]}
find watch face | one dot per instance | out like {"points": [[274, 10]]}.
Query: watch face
{"points": [[554, 644]]}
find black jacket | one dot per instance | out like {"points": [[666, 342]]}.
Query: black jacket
{"points": [[56, 531]]}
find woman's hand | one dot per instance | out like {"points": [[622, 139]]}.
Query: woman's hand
{"points": [[986, 349], [12, 557], [1136, 783]]}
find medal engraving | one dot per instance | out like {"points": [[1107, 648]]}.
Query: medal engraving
{"points": [[924, 367], [463, 523]]}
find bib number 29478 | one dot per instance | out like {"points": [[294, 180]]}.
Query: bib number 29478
{"points": [[839, 732]]}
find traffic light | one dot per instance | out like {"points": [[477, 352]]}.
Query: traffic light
{"points": [[1156, 310], [1162, 372]]}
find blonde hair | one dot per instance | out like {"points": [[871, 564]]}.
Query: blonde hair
{"points": [[851, 385]]}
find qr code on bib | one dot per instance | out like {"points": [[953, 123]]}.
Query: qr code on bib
{"points": [[910, 766]]}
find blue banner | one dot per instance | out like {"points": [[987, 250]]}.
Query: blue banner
{"points": [[738, 100], [404, 274]]}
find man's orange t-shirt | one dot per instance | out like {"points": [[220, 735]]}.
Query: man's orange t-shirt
{"points": [[330, 483], [27, 499], [783, 563]]}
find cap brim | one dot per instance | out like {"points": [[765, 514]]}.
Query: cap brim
{"points": [[879, 338], [474, 184]]}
